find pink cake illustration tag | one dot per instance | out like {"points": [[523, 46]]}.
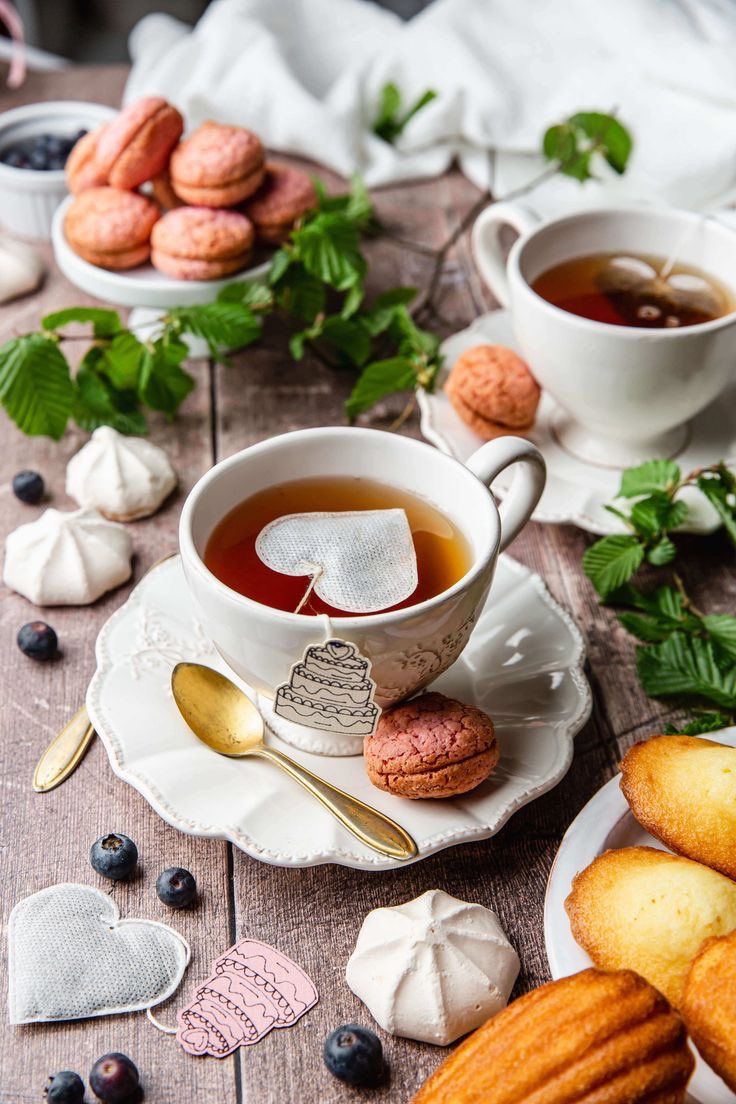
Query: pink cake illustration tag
{"points": [[252, 989], [330, 688]]}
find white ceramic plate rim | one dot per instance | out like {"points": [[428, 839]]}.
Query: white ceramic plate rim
{"points": [[343, 856], [584, 840], [130, 290]]}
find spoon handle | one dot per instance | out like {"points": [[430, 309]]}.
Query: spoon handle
{"points": [[369, 826]]}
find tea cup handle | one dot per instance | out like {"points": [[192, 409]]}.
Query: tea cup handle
{"points": [[526, 487], [486, 242]]}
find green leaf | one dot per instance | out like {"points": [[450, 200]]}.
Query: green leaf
{"points": [[389, 104], [663, 552], [163, 384], [223, 325], [377, 380], [608, 135], [300, 294], [559, 143], [327, 245], [722, 628], [98, 403], [705, 722], [653, 475], [718, 490], [248, 293], [385, 309], [36, 389], [686, 666], [121, 360], [279, 264], [105, 322], [349, 336], [611, 562]]}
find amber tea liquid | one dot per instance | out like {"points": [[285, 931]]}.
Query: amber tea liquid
{"points": [[443, 554], [604, 288]]}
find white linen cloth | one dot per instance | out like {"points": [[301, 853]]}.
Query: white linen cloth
{"points": [[306, 75]]}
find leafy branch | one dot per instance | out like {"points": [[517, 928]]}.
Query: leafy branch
{"points": [[315, 286], [390, 120], [683, 654]]}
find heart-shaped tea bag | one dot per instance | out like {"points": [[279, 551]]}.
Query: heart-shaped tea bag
{"points": [[645, 296], [72, 957], [359, 561]]}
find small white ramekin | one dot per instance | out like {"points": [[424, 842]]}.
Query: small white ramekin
{"points": [[29, 197]]}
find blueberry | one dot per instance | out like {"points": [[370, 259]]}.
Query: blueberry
{"points": [[28, 487], [15, 158], [56, 161], [38, 640], [114, 1079], [354, 1054], [113, 856], [54, 144], [80, 134], [65, 1088], [176, 887], [38, 160]]}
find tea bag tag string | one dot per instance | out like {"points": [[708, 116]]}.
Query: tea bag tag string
{"points": [[157, 1024], [327, 626]]}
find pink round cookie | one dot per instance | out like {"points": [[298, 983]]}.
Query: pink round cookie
{"points": [[493, 391], [431, 746], [136, 145], [82, 170], [200, 243], [110, 227], [217, 166], [284, 196]]}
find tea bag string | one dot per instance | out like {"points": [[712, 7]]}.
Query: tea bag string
{"points": [[326, 627], [666, 269], [157, 1024], [315, 573]]}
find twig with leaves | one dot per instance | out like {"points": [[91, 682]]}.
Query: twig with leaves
{"points": [[684, 655]]}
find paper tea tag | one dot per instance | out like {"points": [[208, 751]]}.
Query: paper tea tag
{"points": [[252, 989], [360, 561], [330, 688]]}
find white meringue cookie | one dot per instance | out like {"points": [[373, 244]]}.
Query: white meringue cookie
{"points": [[21, 269], [434, 968], [67, 559], [123, 477]]}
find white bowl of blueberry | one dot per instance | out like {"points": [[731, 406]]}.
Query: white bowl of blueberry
{"points": [[35, 141]]}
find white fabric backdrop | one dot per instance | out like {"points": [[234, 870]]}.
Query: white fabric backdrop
{"points": [[306, 74]]}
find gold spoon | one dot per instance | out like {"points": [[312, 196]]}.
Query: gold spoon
{"points": [[226, 720]]}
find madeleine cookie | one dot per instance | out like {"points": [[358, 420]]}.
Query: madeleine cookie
{"points": [[284, 196], [431, 746], [137, 143], [217, 166], [593, 1038], [493, 391], [199, 243], [645, 910], [81, 169], [682, 789], [111, 228], [709, 1005]]}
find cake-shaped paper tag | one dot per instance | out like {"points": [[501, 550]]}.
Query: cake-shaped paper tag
{"points": [[252, 989], [330, 688], [360, 561]]}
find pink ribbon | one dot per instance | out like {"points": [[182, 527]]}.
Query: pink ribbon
{"points": [[9, 16]]}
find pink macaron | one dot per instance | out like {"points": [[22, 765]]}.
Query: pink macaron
{"points": [[111, 227], [201, 243], [217, 166], [136, 145]]}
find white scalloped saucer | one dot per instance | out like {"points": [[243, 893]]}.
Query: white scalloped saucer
{"points": [[523, 665], [607, 822], [576, 490]]}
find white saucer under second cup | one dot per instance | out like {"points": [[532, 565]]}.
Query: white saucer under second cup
{"points": [[576, 490]]}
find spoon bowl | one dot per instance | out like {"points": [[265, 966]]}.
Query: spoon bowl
{"points": [[227, 721]]}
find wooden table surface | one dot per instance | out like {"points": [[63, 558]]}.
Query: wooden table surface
{"points": [[312, 914]]}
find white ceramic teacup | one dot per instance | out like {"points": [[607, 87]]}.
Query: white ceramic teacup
{"points": [[625, 393], [408, 647]]}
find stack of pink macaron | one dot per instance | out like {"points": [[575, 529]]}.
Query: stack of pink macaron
{"points": [[211, 196]]}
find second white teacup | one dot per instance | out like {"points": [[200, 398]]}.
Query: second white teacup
{"points": [[625, 393]]}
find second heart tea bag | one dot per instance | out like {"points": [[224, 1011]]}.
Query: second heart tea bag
{"points": [[359, 561]]}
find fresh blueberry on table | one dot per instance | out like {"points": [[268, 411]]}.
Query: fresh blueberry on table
{"points": [[114, 1079], [65, 1087], [113, 856], [354, 1054], [28, 487], [38, 640], [176, 887]]}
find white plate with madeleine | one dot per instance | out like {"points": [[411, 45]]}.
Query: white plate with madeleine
{"points": [[614, 878]]}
